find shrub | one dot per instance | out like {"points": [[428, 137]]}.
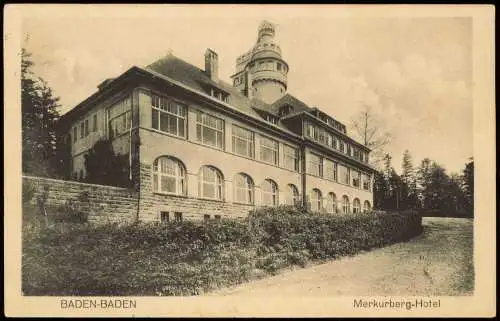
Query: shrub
{"points": [[192, 257]]}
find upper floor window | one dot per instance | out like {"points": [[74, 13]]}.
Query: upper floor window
{"points": [[243, 142], [86, 127], [168, 116], [94, 123], [342, 146], [211, 183], [316, 200], [243, 189], [75, 133], [272, 119], [349, 149], [356, 178], [315, 166], [268, 150], [290, 158], [269, 193], [120, 118], [169, 176], [366, 182], [219, 94], [278, 66], [330, 170], [343, 173], [209, 130], [82, 129], [291, 195]]}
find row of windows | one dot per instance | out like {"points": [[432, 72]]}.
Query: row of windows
{"points": [[169, 176], [169, 116], [322, 136], [323, 167], [318, 203], [332, 122], [84, 128]]}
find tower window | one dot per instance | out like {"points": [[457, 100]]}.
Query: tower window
{"points": [[279, 66]]}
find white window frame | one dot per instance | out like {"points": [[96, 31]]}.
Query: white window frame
{"points": [[310, 163], [346, 205], [217, 183], [269, 188], [179, 176], [290, 155], [248, 188], [326, 172], [368, 208], [292, 195], [356, 205], [316, 201], [113, 121], [331, 203], [273, 147], [165, 107], [249, 141], [201, 125]]}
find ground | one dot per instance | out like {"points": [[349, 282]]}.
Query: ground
{"points": [[437, 263]]}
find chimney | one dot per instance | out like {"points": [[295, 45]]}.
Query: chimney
{"points": [[212, 64]]}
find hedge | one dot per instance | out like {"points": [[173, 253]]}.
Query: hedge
{"points": [[193, 257]]}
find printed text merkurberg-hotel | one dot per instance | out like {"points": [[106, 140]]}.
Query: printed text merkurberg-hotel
{"points": [[202, 148]]}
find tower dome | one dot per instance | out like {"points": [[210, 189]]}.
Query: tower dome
{"points": [[262, 72]]}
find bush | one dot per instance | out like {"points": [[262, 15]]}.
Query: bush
{"points": [[192, 257]]}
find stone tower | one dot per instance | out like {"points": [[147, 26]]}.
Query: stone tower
{"points": [[261, 72]]}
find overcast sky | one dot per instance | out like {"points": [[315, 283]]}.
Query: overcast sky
{"points": [[414, 72]]}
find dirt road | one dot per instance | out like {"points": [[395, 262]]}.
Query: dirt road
{"points": [[439, 262]]}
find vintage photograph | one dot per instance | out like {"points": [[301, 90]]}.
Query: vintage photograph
{"points": [[257, 154]]}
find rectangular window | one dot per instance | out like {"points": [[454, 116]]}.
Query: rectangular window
{"points": [[86, 127], [168, 116], [206, 217], [82, 129], [210, 130], [94, 123], [178, 216], [217, 217], [164, 217], [356, 178], [268, 150], [75, 133], [120, 118], [278, 66], [330, 170], [315, 165], [343, 173], [243, 142], [342, 146], [334, 142], [349, 150], [290, 158], [366, 182]]}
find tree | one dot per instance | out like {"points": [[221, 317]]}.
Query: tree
{"points": [[468, 185], [39, 108], [368, 127], [105, 167], [409, 182]]}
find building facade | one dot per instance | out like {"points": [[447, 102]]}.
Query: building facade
{"points": [[199, 147]]}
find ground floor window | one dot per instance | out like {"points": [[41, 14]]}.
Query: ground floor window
{"points": [[292, 195], [316, 200], [367, 207], [331, 206], [356, 206], [345, 204]]}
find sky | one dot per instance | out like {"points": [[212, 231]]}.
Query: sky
{"points": [[415, 73]]}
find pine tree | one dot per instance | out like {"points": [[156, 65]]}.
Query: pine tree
{"points": [[39, 108], [409, 182], [468, 185]]}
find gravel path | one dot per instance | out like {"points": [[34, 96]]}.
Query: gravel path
{"points": [[437, 263]]}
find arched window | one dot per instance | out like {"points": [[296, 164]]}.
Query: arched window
{"points": [[243, 189], [316, 200], [292, 195], [210, 183], [367, 207], [269, 193], [331, 206], [356, 206], [169, 176], [345, 204]]}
